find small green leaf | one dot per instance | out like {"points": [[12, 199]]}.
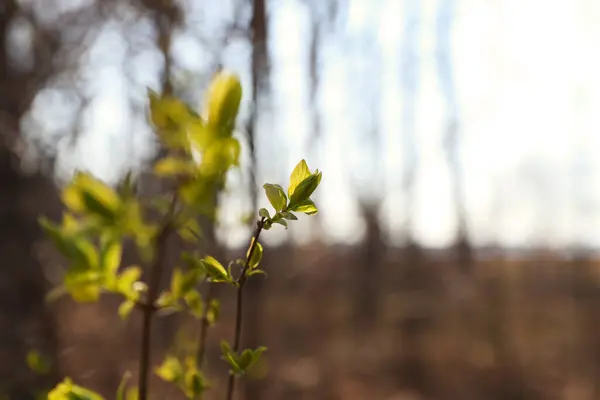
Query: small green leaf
{"points": [[289, 216], [177, 283], [37, 363], [230, 358], [281, 222], [127, 280], [190, 231], [215, 270], [122, 386], [170, 370], [67, 390], [307, 207], [305, 189], [256, 256], [84, 286], [263, 212], [213, 312], [276, 196], [300, 173], [86, 193], [171, 166], [257, 272], [194, 301], [223, 100], [125, 308]]}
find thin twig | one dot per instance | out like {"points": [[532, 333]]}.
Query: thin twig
{"points": [[238, 315], [204, 326], [149, 308]]}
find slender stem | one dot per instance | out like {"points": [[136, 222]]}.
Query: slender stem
{"points": [[204, 326], [148, 307], [239, 302]]}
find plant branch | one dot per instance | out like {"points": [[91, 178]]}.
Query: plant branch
{"points": [[241, 281], [204, 326], [149, 308]]}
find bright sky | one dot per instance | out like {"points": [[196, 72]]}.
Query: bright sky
{"points": [[527, 91]]}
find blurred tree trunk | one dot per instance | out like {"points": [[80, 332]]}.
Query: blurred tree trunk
{"points": [[259, 75], [368, 277], [25, 320]]}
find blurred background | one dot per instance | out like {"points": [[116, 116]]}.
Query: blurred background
{"points": [[454, 255]]}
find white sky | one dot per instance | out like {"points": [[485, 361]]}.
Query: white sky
{"points": [[528, 97]]}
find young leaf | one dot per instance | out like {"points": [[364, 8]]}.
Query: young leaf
{"points": [[67, 390], [256, 256], [171, 166], [177, 284], [37, 363], [263, 212], [230, 358], [111, 257], [300, 173], [170, 370], [223, 100], [307, 207], [214, 309], [86, 193], [122, 386], [305, 189], [127, 280], [84, 286], [281, 222], [194, 301], [125, 308], [190, 231], [276, 196], [215, 270], [289, 216]]}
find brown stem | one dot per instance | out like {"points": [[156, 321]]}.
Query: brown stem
{"points": [[149, 308], [204, 326], [239, 302]]}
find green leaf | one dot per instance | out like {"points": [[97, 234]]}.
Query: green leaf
{"points": [[220, 156], [256, 256], [37, 363], [170, 370], [194, 382], [67, 390], [305, 189], [111, 257], [250, 357], [84, 286], [88, 194], [257, 272], [127, 282], [177, 284], [281, 222], [307, 207], [213, 312], [194, 302], [171, 116], [125, 308], [263, 212], [123, 385], [80, 251], [276, 196], [215, 270], [171, 166], [190, 231], [230, 358], [111, 260], [289, 216], [223, 100], [300, 173]]}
